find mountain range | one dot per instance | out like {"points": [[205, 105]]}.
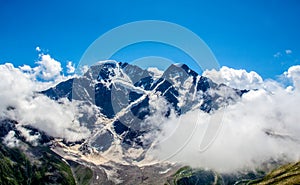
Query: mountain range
{"points": [[125, 93], [122, 98]]}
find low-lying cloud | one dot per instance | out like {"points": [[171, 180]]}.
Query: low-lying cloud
{"points": [[263, 125], [21, 101]]}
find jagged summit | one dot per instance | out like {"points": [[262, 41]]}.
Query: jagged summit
{"points": [[116, 103], [125, 95]]}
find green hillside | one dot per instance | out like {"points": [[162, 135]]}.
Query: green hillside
{"points": [[285, 175], [43, 167]]}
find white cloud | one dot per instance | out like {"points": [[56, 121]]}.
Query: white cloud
{"points": [[26, 68], [10, 140], [38, 49], [244, 139], [18, 89], [58, 120], [70, 67], [48, 68], [294, 74], [288, 51], [32, 139], [263, 125], [240, 79]]}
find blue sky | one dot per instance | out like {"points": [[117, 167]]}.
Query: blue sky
{"points": [[241, 34]]}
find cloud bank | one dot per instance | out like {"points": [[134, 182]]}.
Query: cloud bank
{"points": [[263, 125], [19, 89]]}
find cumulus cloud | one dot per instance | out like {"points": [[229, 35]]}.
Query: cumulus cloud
{"points": [[19, 89], [48, 68], [261, 126], [240, 79], [70, 67], [293, 73]]}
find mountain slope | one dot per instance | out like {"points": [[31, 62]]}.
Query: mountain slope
{"points": [[288, 174], [39, 165], [22, 162], [126, 95], [285, 175], [120, 98], [45, 167]]}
